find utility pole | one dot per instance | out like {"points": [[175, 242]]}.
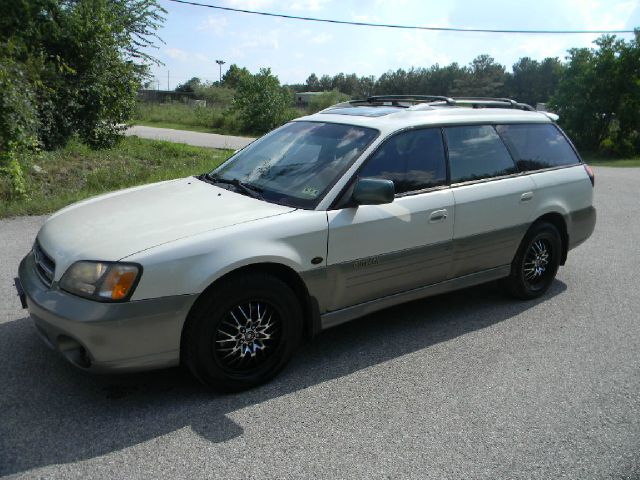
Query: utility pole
{"points": [[220, 63], [168, 80]]}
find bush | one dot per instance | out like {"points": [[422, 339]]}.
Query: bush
{"points": [[18, 124], [261, 102], [215, 96], [174, 112], [326, 99], [622, 148], [81, 63], [177, 114]]}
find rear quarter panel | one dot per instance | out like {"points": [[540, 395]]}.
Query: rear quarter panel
{"points": [[563, 190]]}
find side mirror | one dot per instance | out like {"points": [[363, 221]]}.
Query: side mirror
{"points": [[373, 191]]}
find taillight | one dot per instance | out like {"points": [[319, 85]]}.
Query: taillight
{"points": [[592, 177]]}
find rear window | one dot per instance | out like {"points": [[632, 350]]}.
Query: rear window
{"points": [[476, 152], [537, 146]]}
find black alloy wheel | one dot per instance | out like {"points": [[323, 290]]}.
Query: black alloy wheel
{"points": [[242, 332], [249, 335], [536, 262]]}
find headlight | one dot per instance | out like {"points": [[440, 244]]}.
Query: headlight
{"points": [[103, 281]]}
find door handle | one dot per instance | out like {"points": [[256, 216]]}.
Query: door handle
{"points": [[525, 197], [438, 216]]}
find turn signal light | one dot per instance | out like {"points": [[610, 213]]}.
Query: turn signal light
{"points": [[592, 177], [118, 283]]}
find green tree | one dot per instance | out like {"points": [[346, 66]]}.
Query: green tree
{"points": [[550, 73], [91, 57], [598, 97], [365, 88], [393, 83], [442, 80], [532, 81], [627, 134], [234, 75], [483, 78], [190, 86], [261, 102], [312, 83], [347, 84], [325, 83]]}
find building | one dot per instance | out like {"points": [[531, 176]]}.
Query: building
{"points": [[303, 98]]}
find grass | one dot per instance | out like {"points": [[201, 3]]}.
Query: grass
{"points": [[186, 117], [596, 161], [181, 116], [56, 179], [175, 126]]}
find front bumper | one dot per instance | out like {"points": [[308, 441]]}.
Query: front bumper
{"points": [[105, 337]]}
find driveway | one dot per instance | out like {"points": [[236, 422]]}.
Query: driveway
{"points": [[467, 385], [198, 139]]}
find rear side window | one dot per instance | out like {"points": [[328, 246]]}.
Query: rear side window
{"points": [[413, 160], [537, 146], [476, 152]]}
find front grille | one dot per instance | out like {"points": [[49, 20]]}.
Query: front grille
{"points": [[45, 266]]}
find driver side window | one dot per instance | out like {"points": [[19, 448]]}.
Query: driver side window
{"points": [[413, 160]]}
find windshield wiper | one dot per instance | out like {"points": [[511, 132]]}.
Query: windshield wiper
{"points": [[247, 188]]}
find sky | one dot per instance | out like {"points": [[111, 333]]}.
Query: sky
{"points": [[195, 37]]}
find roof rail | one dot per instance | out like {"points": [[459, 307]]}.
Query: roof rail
{"points": [[396, 99], [402, 100], [491, 102]]}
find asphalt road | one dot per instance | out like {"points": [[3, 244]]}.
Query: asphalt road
{"points": [[467, 385], [198, 139]]}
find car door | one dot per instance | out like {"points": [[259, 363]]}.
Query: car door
{"points": [[380, 250], [493, 203]]}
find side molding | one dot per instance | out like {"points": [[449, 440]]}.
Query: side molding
{"points": [[337, 317]]}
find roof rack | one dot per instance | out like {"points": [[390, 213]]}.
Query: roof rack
{"points": [[396, 99], [403, 100], [491, 102]]}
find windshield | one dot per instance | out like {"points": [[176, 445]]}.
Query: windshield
{"points": [[297, 163]]}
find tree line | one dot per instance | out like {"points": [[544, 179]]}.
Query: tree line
{"points": [[596, 91], [531, 81]]}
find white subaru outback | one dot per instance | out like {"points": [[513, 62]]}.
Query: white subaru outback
{"points": [[330, 217]]}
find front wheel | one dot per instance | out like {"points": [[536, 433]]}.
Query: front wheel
{"points": [[243, 333], [536, 262]]}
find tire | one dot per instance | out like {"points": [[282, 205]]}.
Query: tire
{"points": [[536, 262], [243, 333]]}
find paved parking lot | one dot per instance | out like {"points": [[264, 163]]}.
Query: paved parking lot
{"points": [[467, 385]]}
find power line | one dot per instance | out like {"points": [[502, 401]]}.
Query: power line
{"points": [[405, 27]]}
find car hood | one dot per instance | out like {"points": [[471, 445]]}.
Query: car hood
{"points": [[118, 224]]}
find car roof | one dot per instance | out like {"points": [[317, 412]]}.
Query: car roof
{"points": [[391, 118]]}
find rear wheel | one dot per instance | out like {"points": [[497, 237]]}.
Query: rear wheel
{"points": [[243, 333], [536, 262]]}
